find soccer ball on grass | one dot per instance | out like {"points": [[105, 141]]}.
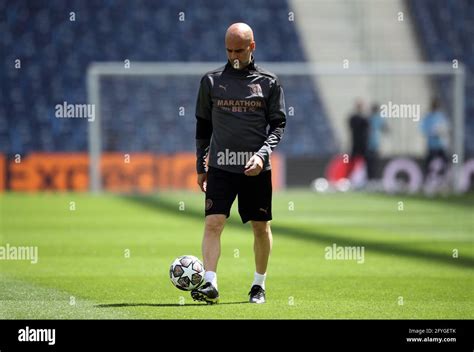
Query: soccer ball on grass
{"points": [[187, 272]]}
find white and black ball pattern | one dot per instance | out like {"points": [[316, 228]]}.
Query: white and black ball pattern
{"points": [[187, 272]]}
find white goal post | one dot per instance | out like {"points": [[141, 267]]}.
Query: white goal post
{"points": [[97, 70]]}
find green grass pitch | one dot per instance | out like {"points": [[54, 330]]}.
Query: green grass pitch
{"points": [[107, 257]]}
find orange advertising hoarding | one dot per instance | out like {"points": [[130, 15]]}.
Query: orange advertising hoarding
{"points": [[140, 172], [3, 172]]}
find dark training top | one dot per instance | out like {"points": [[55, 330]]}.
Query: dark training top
{"points": [[359, 126], [239, 113]]}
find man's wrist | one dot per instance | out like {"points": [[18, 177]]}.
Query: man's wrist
{"points": [[201, 167], [261, 158]]}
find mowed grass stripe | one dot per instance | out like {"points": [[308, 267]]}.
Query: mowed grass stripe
{"points": [[83, 254], [25, 300]]}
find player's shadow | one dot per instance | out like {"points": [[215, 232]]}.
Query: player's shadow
{"points": [[124, 305]]}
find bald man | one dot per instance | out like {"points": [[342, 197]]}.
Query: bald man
{"points": [[240, 116]]}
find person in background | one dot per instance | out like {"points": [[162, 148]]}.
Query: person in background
{"points": [[435, 128], [359, 129], [377, 126]]}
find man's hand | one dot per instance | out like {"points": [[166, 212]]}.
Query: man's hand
{"points": [[254, 166], [202, 181]]}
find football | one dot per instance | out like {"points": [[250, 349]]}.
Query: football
{"points": [[187, 272]]}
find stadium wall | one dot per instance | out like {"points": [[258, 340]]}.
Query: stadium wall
{"points": [[121, 173]]}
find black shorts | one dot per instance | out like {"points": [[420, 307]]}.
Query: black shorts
{"points": [[255, 194]]}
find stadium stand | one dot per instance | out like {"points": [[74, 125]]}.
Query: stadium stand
{"points": [[55, 53], [140, 115], [446, 29]]}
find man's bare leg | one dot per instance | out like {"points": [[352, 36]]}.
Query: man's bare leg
{"points": [[211, 243], [211, 251], [263, 241]]}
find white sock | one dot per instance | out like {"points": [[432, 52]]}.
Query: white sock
{"points": [[259, 279], [211, 276]]}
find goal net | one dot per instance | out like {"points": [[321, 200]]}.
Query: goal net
{"points": [[142, 136]]}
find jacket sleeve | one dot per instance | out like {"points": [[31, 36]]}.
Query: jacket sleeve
{"points": [[276, 117], [203, 124]]}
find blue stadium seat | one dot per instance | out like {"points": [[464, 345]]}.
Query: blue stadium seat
{"points": [[140, 114], [446, 29]]}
